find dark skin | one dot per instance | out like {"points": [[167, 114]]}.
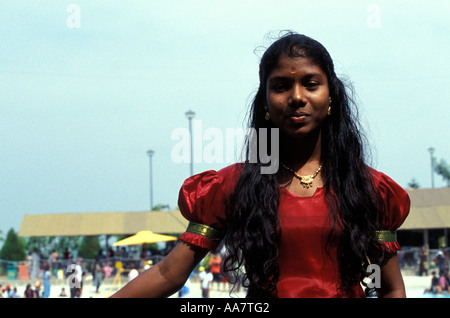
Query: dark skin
{"points": [[297, 99]]}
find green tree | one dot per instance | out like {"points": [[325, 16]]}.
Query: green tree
{"points": [[89, 247], [161, 207], [14, 247], [70, 243], [443, 169], [42, 244], [413, 184], [47, 244]]}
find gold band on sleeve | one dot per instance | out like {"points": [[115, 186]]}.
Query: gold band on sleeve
{"points": [[387, 236], [204, 230]]}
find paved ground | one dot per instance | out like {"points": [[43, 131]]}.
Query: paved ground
{"points": [[415, 287]]}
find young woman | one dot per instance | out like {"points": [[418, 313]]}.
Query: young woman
{"points": [[312, 228]]}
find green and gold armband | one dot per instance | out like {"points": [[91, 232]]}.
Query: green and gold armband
{"points": [[204, 230]]}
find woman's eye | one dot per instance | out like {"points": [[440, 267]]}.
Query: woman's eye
{"points": [[312, 85], [279, 87]]}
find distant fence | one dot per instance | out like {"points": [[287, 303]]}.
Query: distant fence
{"points": [[408, 257]]}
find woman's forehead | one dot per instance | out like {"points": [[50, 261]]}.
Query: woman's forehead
{"points": [[293, 65]]}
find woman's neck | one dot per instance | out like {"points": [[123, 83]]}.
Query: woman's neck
{"points": [[302, 154]]}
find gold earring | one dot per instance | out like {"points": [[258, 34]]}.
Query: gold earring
{"points": [[267, 116], [329, 108]]}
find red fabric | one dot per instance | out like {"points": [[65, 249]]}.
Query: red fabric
{"points": [[306, 270], [202, 196], [199, 240], [396, 204]]}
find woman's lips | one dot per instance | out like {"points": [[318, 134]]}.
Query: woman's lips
{"points": [[298, 118]]}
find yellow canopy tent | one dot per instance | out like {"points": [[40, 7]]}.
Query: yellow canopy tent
{"points": [[143, 237], [139, 238]]}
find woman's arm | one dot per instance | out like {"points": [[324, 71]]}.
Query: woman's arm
{"points": [[392, 285], [167, 276]]}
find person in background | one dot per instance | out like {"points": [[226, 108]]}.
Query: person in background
{"points": [[133, 272], [63, 292], [107, 269], [215, 265], [206, 277], [29, 292], [15, 293], [46, 275], [54, 258], [440, 262], [37, 289], [435, 287], [447, 279], [98, 275], [76, 280], [423, 261], [34, 264]]}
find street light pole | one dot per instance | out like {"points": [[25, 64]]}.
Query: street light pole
{"points": [[150, 154], [431, 151], [190, 115]]}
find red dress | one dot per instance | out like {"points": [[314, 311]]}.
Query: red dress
{"points": [[306, 270]]}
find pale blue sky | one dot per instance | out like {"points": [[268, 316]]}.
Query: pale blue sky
{"points": [[80, 107]]}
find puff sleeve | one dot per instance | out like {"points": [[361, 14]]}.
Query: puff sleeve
{"points": [[396, 204], [202, 201]]}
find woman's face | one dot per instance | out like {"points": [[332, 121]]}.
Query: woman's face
{"points": [[297, 96]]}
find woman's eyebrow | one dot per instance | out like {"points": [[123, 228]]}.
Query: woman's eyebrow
{"points": [[313, 74], [279, 78]]}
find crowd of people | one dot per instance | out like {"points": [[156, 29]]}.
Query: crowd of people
{"points": [[31, 291], [439, 283], [440, 277], [425, 262], [209, 273], [41, 269]]}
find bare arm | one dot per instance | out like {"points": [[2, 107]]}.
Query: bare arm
{"points": [[166, 277], [392, 285]]}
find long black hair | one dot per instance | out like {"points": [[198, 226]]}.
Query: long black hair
{"points": [[253, 229]]}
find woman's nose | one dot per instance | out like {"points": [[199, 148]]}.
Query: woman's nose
{"points": [[297, 95]]}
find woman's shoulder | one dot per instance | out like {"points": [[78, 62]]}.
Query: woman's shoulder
{"points": [[395, 199], [225, 178], [384, 182], [202, 201], [206, 192]]}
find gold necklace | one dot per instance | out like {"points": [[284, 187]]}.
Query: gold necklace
{"points": [[305, 181]]}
